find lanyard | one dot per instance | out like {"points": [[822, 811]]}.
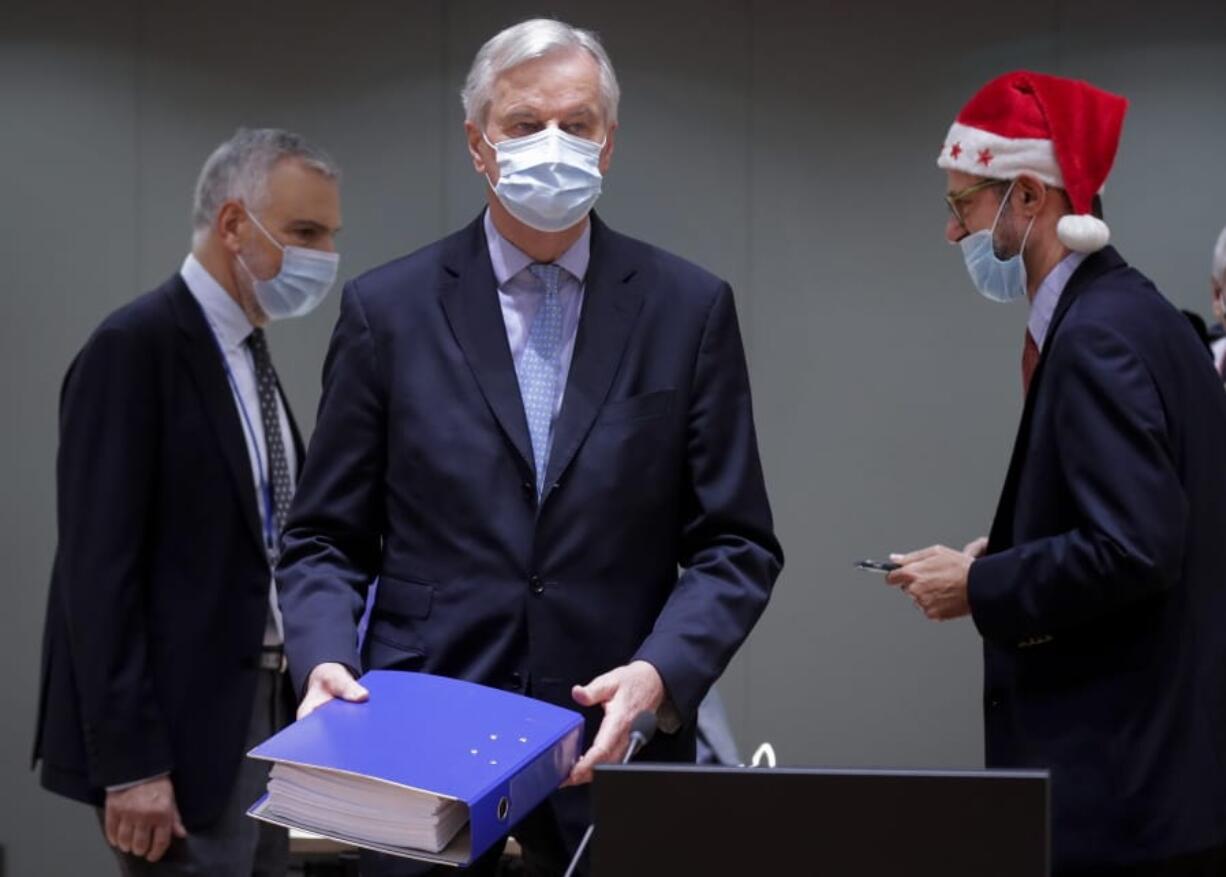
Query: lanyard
{"points": [[265, 489]]}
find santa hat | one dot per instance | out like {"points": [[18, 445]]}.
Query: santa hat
{"points": [[1063, 131]]}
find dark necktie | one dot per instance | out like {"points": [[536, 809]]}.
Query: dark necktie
{"points": [[1030, 360], [279, 483]]}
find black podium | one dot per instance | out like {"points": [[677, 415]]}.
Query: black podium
{"points": [[656, 820]]}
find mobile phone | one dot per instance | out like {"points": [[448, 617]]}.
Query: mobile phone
{"points": [[877, 566]]}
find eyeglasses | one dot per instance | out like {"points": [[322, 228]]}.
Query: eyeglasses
{"points": [[953, 199]]}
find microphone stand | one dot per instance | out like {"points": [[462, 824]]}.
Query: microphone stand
{"points": [[641, 731]]}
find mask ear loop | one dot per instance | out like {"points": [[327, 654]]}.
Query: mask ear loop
{"points": [[999, 211], [276, 243]]}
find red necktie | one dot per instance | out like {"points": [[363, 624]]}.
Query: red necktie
{"points": [[1030, 359]]}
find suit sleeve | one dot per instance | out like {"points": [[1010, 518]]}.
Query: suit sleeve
{"points": [[105, 485], [333, 538], [1115, 458], [730, 556]]}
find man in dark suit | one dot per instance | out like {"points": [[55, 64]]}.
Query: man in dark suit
{"points": [[1101, 591], [526, 429], [162, 654]]}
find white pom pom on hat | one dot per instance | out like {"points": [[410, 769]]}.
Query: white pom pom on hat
{"points": [[1082, 233], [1063, 131]]}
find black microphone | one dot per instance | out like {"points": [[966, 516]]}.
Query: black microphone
{"points": [[642, 729]]}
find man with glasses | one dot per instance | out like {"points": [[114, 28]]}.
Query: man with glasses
{"points": [[1100, 591]]}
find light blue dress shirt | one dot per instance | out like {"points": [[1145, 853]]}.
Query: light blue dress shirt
{"points": [[520, 295], [1043, 308]]}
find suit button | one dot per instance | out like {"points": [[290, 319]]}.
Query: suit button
{"points": [[528, 488], [536, 585]]}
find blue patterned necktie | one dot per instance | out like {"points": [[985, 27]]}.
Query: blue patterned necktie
{"points": [[538, 367]]}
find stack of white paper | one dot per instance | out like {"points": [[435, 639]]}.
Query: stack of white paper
{"points": [[364, 809]]}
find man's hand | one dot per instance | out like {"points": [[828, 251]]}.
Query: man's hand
{"points": [[326, 682], [141, 819], [977, 548], [625, 692], [935, 578]]}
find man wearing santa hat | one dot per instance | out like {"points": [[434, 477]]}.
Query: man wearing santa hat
{"points": [[1100, 593]]}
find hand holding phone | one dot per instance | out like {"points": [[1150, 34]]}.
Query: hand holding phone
{"points": [[877, 566]]}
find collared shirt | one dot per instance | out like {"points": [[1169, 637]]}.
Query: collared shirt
{"points": [[1043, 308], [520, 294], [231, 327]]}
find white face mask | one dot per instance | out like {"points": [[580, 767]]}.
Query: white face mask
{"points": [[548, 180], [302, 283], [1000, 280]]}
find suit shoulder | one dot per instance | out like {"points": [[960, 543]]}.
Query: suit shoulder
{"points": [[130, 340], [142, 320], [676, 275], [149, 310], [410, 276], [1126, 302]]}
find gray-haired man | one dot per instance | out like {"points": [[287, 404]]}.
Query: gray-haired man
{"points": [[162, 654], [526, 429]]}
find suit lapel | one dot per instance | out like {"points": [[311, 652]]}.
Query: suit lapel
{"points": [[611, 302], [203, 357], [472, 309], [1094, 266]]}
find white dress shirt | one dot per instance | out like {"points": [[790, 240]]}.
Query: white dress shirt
{"points": [[231, 327]]}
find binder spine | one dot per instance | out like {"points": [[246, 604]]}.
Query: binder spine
{"points": [[509, 801]]}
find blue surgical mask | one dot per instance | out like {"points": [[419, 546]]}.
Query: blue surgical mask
{"points": [[1000, 280], [303, 282], [548, 180]]}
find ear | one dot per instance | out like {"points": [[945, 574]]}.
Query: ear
{"points": [[231, 225], [480, 152], [606, 154], [1030, 194]]}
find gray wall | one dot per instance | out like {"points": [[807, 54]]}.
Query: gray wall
{"points": [[789, 147]]}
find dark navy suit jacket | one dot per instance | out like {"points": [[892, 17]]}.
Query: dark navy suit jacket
{"points": [[1102, 602], [159, 593], [420, 473]]}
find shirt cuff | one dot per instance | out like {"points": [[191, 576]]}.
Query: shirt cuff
{"points": [[122, 787], [668, 720]]}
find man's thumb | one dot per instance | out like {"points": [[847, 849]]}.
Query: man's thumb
{"points": [[599, 690]]}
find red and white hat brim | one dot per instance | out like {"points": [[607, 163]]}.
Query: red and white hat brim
{"points": [[984, 154]]}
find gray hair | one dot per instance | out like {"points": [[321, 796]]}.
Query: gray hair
{"points": [[528, 41], [1219, 259], [239, 168]]}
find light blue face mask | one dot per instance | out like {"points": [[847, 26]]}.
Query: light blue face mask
{"points": [[1000, 280], [548, 180], [303, 282]]}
